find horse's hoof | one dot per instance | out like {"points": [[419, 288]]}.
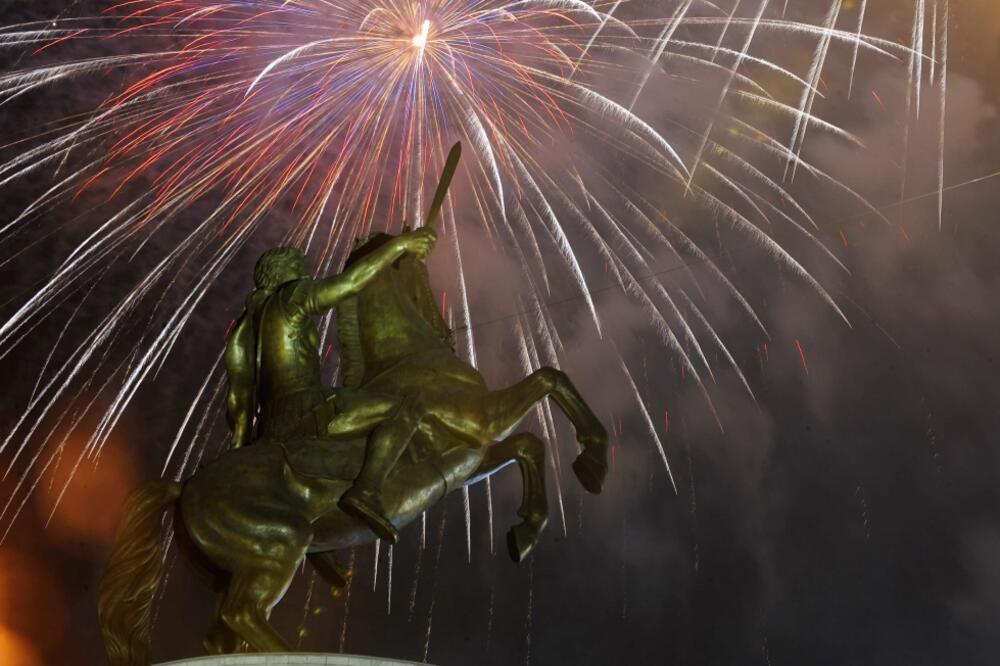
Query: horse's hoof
{"points": [[521, 540], [590, 471]]}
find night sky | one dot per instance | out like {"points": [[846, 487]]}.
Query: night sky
{"points": [[849, 516]]}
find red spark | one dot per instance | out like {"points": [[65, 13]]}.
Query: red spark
{"points": [[666, 420], [878, 99], [843, 237], [444, 305], [766, 358], [229, 329], [326, 354], [802, 355], [59, 41]]}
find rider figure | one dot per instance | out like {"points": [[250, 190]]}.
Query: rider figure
{"points": [[273, 366]]}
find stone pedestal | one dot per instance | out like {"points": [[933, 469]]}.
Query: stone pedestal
{"points": [[298, 659]]}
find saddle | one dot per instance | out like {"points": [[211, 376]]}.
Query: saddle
{"points": [[331, 459]]}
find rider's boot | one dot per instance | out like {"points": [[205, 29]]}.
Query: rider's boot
{"points": [[365, 502], [364, 499]]}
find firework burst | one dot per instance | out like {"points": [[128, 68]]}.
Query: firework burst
{"points": [[341, 112]]}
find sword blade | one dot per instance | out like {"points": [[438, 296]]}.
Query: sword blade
{"points": [[450, 164]]}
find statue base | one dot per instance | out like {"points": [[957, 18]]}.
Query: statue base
{"points": [[290, 659]]}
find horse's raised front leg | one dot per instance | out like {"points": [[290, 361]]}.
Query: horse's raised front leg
{"points": [[506, 408], [529, 452]]}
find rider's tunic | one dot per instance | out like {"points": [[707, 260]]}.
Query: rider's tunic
{"points": [[292, 398]]}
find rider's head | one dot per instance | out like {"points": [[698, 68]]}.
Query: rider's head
{"points": [[278, 266]]}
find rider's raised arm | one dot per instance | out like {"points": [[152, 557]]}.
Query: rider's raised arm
{"points": [[240, 373], [327, 292]]}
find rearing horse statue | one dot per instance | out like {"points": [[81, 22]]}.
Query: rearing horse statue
{"points": [[255, 512]]}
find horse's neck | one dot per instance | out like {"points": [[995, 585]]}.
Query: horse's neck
{"points": [[391, 325]]}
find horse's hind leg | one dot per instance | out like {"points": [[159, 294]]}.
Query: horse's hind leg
{"points": [[248, 603], [506, 408], [220, 638], [259, 579], [529, 452]]}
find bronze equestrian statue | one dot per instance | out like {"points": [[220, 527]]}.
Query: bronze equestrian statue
{"points": [[260, 508]]}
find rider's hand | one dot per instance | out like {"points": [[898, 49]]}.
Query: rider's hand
{"points": [[419, 242]]}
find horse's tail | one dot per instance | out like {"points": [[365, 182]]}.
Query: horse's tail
{"points": [[125, 596]]}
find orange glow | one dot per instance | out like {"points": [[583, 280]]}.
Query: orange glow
{"points": [[91, 504], [31, 609], [16, 651]]}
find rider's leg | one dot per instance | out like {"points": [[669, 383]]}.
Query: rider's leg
{"points": [[386, 444], [357, 414]]}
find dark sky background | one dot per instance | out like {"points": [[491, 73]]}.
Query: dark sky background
{"points": [[851, 516]]}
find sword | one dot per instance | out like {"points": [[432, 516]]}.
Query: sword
{"points": [[450, 164]]}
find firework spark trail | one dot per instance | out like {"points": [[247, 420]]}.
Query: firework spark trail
{"points": [[649, 421], [530, 611], [306, 607], [467, 515], [943, 109], [913, 89], [809, 95], [416, 580], [214, 421], [388, 593], [593, 38], [489, 617], [430, 610], [339, 112], [662, 41], [865, 518], [187, 417], [210, 415], [347, 606], [489, 512], [720, 345], [932, 444], [854, 49], [725, 29], [917, 58], [725, 90], [693, 504], [931, 77], [630, 285]]}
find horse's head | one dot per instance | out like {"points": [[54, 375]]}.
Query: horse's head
{"points": [[411, 283]]}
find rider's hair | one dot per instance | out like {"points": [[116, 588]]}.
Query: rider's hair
{"points": [[272, 268]]}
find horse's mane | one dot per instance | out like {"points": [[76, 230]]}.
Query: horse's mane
{"points": [[417, 280]]}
